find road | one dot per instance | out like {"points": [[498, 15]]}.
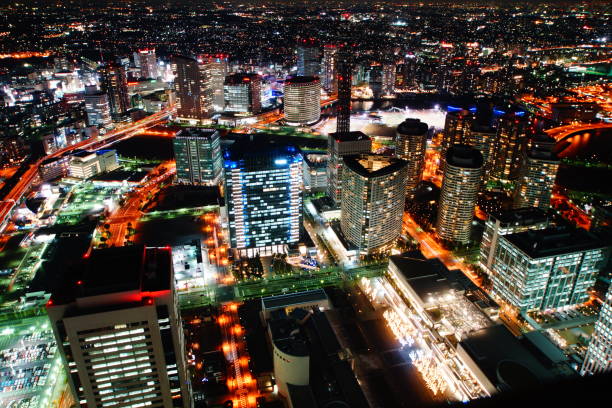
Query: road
{"points": [[17, 192], [561, 132]]}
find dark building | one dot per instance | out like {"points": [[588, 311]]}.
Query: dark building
{"points": [[193, 86], [114, 84]]}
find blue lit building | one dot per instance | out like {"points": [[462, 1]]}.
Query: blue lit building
{"points": [[263, 194]]}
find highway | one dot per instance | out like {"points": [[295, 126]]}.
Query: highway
{"points": [[562, 132], [125, 132]]}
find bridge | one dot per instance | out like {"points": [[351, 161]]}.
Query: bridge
{"points": [[563, 132]]}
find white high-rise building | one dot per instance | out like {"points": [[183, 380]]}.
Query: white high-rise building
{"points": [[97, 108], [117, 324], [373, 196], [598, 358], [302, 102], [462, 176]]}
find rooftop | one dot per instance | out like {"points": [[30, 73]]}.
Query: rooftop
{"points": [[241, 78], [292, 299], [197, 132], [373, 165], [300, 80], [256, 151], [521, 216], [118, 269], [554, 241], [412, 127], [465, 156], [349, 137]]}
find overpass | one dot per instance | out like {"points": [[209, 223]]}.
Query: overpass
{"points": [[563, 132], [27, 179]]}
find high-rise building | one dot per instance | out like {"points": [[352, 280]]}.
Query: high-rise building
{"points": [[537, 174], [263, 193], [308, 59], [598, 358], [12, 151], [506, 223], [547, 269], [192, 84], [456, 129], [462, 178], [410, 145], [373, 196], [329, 69], [339, 145], [113, 82], [482, 137], [388, 79], [97, 107], [242, 93], [218, 71], [148, 63], [117, 325], [198, 156], [302, 101], [509, 146], [344, 80]]}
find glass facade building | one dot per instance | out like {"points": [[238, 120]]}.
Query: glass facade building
{"points": [[242, 93], [546, 269], [198, 156], [599, 354], [263, 193]]}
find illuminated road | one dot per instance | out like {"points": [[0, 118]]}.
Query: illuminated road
{"points": [[562, 132], [26, 180]]}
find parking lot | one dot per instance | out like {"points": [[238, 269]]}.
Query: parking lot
{"points": [[29, 363]]}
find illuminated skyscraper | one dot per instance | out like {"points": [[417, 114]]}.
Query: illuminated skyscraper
{"points": [[302, 101], [462, 178], [537, 174], [117, 325], [113, 82], [388, 80], [339, 145], [329, 72], [198, 156], [343, 107], [456, 129], [308, 59], [263, 194], [598, 358], [192, 84], [242, 93], [373, 196], [482, 137], [97, 107], [509, 146], [218, 72], [410, 145], [148, 63], [547, 269]]}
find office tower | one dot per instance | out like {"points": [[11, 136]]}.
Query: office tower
{"points": [[462, 178], [148, 63], [12, 151], [506, 223], [598, 358], [97, 107], [329, 69], [116, 323], [456, 129], [242, 93], [113, 82], [338, 145], [388, 79], [482, 137], [308, 59], [373, 196], [302, 101], [547, 269], [192, 84], [410, 145], [537, 174], [198, 156], [509, 144], [343, 107], [218, 72], [263, 194]]}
